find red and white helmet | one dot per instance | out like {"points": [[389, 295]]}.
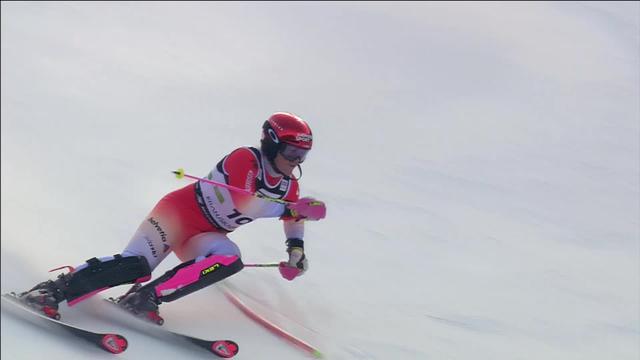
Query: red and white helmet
{"points": [[287, 134]]}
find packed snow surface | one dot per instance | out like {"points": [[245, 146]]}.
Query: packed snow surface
{"points": [[480, 164]]}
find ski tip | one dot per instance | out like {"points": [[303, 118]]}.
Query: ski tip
{"points": [[225, 348], [114, 343], [317, 354], [11, 296]]}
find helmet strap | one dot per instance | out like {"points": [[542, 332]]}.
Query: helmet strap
{"points": [[297, 178]]}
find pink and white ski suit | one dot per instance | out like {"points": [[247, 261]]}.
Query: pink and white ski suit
{"points": [[194, 221]]}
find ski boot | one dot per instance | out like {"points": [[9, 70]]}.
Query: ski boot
{"points": [[182, 280], [45, 297], [80, 284], [142, 302]]}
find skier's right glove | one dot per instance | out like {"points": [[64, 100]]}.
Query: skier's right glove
{"points": [[307, 208], [297, 263]]}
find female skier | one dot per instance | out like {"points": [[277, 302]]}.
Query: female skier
{"points": [[194, 221]]}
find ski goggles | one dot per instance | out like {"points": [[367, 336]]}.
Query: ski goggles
{"points": [[293, 153]]}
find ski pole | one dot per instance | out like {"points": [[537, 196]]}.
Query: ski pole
{"points": [[181, 174], [262, 265]]}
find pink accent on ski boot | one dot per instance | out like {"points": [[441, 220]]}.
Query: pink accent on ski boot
{"points": [[143, 279], [51, 312], [71, 268], [154, 317]]}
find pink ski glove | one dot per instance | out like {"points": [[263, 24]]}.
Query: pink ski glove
{"points": [[287, 271], [308, 208], [296, 266]]}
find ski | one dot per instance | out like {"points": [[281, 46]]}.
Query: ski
{"points": [[221, 348], [113, 343]]}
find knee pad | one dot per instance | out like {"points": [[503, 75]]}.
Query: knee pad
{"points": [[100, 275], [194, 275]]}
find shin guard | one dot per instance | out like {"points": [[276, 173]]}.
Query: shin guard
{"points": [[194, 275], [99, 275]]}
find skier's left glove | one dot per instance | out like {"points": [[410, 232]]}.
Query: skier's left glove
{"points": [[297, 263]]}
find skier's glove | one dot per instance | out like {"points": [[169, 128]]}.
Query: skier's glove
{"points": [[307, 208], [297, 263]]}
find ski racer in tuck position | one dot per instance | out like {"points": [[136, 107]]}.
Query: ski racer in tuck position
{"points": [[194, 223]]}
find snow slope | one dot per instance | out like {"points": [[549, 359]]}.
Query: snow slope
{"points": [[480, 162]]}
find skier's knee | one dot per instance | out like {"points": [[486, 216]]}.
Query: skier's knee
{"points": [[224, 247]]}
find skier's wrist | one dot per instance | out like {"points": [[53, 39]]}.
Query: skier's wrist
{"points": [[297, 263], [294, 243]]}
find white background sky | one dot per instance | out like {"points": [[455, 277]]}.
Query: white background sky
{"points": [[480, 163]]}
